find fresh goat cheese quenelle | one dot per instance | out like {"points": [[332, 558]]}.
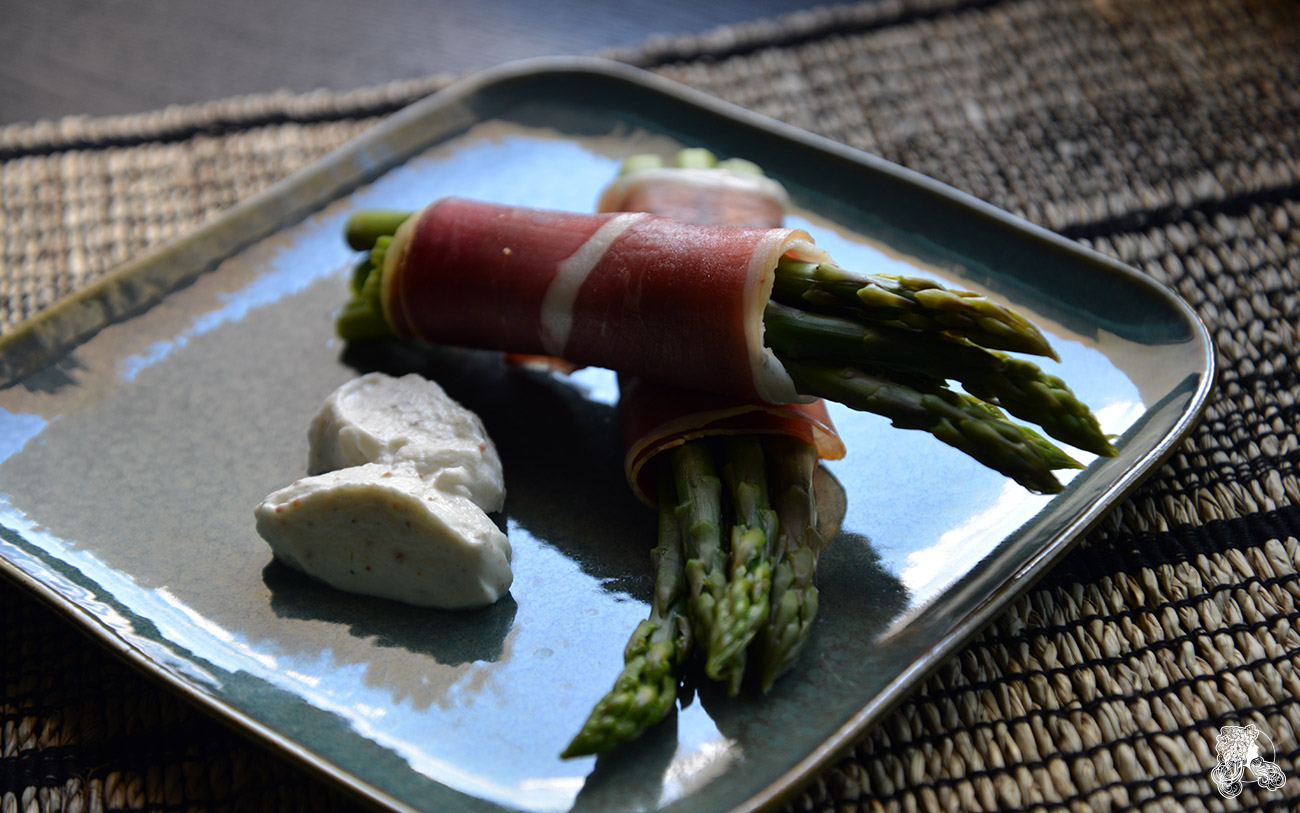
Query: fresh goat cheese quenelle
{"points": [[396, 504], [378, 418]]}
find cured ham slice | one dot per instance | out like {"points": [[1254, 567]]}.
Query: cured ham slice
{"points": [[694, 195], [715, 196], [658, 298], [657, 418]]}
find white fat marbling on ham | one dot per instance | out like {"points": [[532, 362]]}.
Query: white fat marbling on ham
{"points": [[570, 276], [674, 302], [656, 418], [748, 183], [771, 381]]}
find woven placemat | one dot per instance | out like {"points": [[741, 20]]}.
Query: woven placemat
{"points": [[1163, 134]]}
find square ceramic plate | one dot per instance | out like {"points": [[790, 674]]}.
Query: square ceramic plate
{"points": [[142, 420]]}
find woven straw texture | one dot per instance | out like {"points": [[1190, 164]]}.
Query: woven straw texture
{"points": [[1165, 134]]}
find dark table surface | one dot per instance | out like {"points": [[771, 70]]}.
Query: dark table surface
{"points": [[64, 57]]}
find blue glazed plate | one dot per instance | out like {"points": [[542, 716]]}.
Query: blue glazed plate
{"points": [[143, 419]]}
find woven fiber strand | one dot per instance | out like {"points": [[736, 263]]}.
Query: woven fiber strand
{"points": [[1162, 134]]}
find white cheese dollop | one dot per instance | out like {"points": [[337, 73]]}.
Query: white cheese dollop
{"points": [[381, 419], [401, 478], [380, 531]]}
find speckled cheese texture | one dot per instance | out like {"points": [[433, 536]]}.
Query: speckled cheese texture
{"points": [[378, 418], [401, 481], [380, 530]]}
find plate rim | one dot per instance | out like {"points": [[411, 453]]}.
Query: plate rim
{"points": [[49, 335]]}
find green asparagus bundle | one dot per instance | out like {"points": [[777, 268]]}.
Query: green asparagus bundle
{"points": [[744, 605], [797, 545], [883, 344], [751, 588], [1020, 387], [700, 492], [735, 566], [714, 583], [646, 689], [975, 427], [908, 302]]}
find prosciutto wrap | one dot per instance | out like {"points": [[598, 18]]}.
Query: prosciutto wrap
{"points": [[643, 294], [716, 196], [657, 418]]}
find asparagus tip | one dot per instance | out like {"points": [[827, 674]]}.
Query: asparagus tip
{"points": [[366, 226]]}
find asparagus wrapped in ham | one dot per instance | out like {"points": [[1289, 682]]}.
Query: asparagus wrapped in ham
{"points": [[623, 289], [724, 521], [646, 295], [656, 418], [733, 310], [755, 436], [697, 188]]}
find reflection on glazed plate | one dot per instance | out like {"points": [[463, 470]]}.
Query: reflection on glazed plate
{"points": [[142, 420]]}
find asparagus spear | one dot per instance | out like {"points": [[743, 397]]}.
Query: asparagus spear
{"points": [[646, 689], [910, 302], [798, 545], [744, 605], [1024, 390], [973, 426], [1018, 386], [700, 493], [368, 225], [362, 316], [688, 158]]}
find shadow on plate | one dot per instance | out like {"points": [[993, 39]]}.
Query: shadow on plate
{"points": [[452, 638], [560, 450], [619, 779]]}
